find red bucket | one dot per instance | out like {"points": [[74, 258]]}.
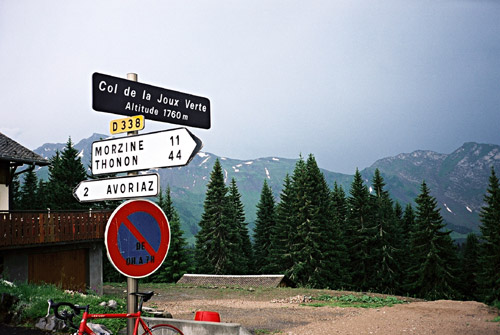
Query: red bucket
{"points": [[207, 316]]}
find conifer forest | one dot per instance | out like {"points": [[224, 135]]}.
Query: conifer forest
{"points": [[358, 239]]}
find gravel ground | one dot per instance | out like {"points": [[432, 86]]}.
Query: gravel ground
{"points": [[264, 312], [280, 311], [438, 317]]}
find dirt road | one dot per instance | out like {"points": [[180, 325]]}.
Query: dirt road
{"points": [[258, 311], [438, 317]]}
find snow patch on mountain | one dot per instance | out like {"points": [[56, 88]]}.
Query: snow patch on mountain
{"points": [[448, 208], [267, 173], [204, 161]]}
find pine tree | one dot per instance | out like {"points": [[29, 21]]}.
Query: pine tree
{"points": [[321, 230], [263, 232], [281, 237], [15, 193], [161, 201], [339, 217], [407, 233], [398, 213], [298, 272], [42, 195], [470, 268], [176, 263], [489, 259], [54, 185], [215, 242], [73, 173], [408, 223], [65, 172], [244, 252], [401, 253], [360, 236], [433, 272], [386, 238], [29, 190], [313, 250]]}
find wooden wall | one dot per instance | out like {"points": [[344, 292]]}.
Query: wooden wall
{"points": [[67, 269]]}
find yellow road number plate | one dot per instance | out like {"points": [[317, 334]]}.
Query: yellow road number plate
{"points": [[127, 124]]}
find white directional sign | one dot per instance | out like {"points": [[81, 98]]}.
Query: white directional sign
{"points": [[146, 185], [175, 147]]}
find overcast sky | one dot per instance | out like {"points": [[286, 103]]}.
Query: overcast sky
{"points": [[349, 81]]}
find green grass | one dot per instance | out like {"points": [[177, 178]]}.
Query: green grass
{"points": [[351, 300], [33, 304]]}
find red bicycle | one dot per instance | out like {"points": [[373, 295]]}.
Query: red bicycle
{"points": [[69, 311]]}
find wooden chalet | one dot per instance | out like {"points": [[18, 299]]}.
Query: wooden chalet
{"points": [[62, 248]]}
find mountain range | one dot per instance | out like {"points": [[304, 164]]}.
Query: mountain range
{"points": [[457, 180]]}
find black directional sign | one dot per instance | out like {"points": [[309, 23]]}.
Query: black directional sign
{"points": [[126, 97]]}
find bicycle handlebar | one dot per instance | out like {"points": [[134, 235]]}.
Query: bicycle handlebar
{"points": [[65, 315]]}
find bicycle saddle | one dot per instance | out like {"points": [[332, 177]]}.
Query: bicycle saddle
{"points": [[145, 295]]}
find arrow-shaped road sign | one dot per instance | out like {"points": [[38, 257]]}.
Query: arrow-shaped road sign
{"points": [[146, 185], [175, 147]]}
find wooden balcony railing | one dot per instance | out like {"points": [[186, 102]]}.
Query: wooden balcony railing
{"points": [[32, 228]]}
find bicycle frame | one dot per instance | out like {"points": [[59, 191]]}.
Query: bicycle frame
{"points": [[84, 329]]}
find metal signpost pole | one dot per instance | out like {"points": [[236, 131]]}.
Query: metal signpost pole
{"points": [[132, 283]]}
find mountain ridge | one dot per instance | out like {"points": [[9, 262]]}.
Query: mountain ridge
{"points": [[457, 180]]}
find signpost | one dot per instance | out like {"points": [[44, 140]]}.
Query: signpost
{"points": [[175, 147], [137, 238], [132, 283], [125, 97], [146, 185]]}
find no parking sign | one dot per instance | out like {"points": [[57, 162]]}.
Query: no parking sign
{"points": [[137, 238]]}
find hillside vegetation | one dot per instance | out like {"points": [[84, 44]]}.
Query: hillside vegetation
{"points": [[457, 180]]}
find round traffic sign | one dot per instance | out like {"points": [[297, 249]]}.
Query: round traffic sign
{"points": [[137, 238]]}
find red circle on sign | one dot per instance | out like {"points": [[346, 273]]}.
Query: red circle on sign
{"points": [[151, 237]]}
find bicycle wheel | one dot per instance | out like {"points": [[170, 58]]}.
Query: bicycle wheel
{"points": [[163, 329]]}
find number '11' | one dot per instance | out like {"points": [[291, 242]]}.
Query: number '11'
{"points": [[174, 140]]}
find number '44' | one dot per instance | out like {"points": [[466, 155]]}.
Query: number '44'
{"points": [[171, 156]]}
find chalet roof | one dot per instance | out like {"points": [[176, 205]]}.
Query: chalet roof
{"points": [[231, 281], [12, 151]]}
